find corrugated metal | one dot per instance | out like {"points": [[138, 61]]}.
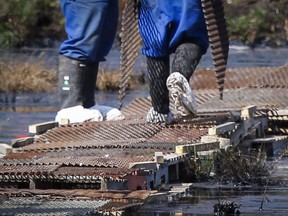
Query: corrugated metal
{"points": [[27, 169], [67, 202], [33, 206]]}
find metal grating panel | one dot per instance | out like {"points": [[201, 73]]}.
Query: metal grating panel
{"points": [[275, 78], [130, 45], [28, 169], [36, 207], [218, 38], [256, 77], [236, 99], [81, 153], [67, 202]]}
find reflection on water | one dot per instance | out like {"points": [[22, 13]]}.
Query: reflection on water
{"points": [[36, 108], [200, 202]]}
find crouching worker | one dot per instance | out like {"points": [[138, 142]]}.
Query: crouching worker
{"points": [[91, 28]]}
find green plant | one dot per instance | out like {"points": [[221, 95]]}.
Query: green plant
{"points": [[233, 165], [21, 20], [254, 21]]}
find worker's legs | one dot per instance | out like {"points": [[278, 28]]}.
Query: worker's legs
{"points": [[76, 82], [158, 71], [187, 57]]}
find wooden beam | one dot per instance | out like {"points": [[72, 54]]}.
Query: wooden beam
{"points": [[5, 149], [248, 112], [42, 127], [222, 128]]}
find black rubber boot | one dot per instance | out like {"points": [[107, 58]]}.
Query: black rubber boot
{"points": [[76, 82], [158, 72], [187, 57]]}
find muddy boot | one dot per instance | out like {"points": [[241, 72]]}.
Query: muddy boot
{"points": [[76, 82], [76, 86], [158, 71], [187, 57]]}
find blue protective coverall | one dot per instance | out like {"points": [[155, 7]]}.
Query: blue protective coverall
{"points": [[165, 24], [91, 27]]}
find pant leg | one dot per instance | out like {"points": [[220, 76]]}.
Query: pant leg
{"points": [[186, 59], [158, 72], [91, 27]]}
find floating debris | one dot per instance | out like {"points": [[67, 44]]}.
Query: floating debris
{"points": [[226, 207]]}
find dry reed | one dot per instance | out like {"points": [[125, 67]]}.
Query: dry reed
{"points": [[27, 77], [34, 77]]}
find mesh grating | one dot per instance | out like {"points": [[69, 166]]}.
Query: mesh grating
{"points": [[83, 153], [218, 38], [130, 45]]}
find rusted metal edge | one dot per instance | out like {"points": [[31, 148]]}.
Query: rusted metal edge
{"points": [[218, 37], [130, 45]]}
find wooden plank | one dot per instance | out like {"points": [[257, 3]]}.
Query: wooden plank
{"points": [[42, 127], [248, 112], [198, 147], [221, 129], [5, 149], [64, 122]]}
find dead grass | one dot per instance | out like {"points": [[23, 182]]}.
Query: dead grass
{"points": [[27, 77], [109, 80], [34, 77], [232, 166]]}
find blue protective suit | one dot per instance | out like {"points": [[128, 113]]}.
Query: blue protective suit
{"points": [[91, 27], [164, 24]]}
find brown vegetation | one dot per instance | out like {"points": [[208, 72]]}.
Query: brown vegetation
{"points": [[232, 166], [35, 77], [28, 77]]}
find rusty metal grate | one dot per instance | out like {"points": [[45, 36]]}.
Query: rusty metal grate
{"points": [[130, 45], [237, 98], [218, 38], [256, 77], [85, 151], [243, 87], [67, 202]]}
